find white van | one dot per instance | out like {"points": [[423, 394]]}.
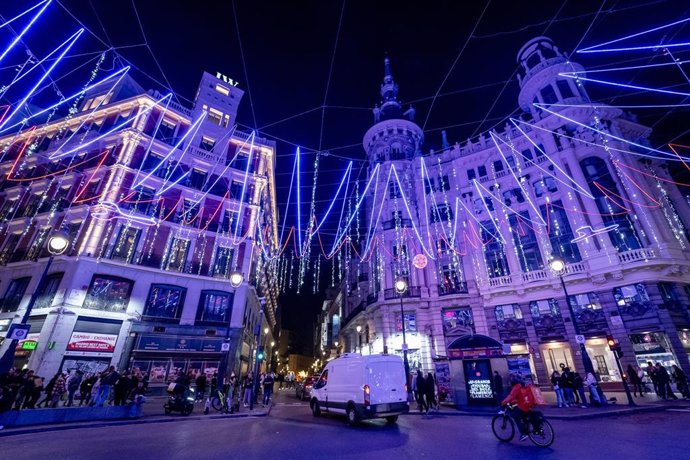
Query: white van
{"points": [[362, 387]]}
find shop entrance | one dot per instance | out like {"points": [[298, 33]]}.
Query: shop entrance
{"points": [[556, 354], [478, 382]]}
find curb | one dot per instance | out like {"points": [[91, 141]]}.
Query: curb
{"points": [[140, 421], [580, 416]]}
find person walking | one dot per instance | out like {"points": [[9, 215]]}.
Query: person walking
{"points": [[681, 381], [419, 390], [641, 376], [664, 380], [556, 384], [85, 389], [247, 384], [652, 374], [200, 386], [634, 380], [268, 388], [122, 388], [498, 386], [430, 392], [49, 392], [59, 389], [73, 385], [108, 379], [34, 390]]}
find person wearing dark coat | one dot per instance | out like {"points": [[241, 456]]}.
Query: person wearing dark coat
{"points": [[430, 392], [681, 381], [122, 388], [634, 380], [419, 389], [664, 380], [498, 386]]}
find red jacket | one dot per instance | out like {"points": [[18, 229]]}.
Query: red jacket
{"points": [[522, 396]]}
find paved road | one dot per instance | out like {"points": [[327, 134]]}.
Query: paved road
{"points": [[291, 432]]}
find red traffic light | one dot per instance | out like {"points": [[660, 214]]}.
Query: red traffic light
{"points": [[613, 343]]}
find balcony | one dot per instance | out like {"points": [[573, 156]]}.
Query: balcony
{"points": [[534, 275], [412, 291], [459, 288], [635, 255], [500, 281], [390, 224]]}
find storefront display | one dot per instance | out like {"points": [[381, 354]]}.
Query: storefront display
{"points": [[478, 380], [654, 347], [555, 354], [443, 382], [603, 360]]}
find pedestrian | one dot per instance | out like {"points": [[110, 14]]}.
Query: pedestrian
{"points": [[681, 381], [27, 391], [664, 380], [281, 380], [652, 374], [247, 384], [430, 392], [634, 380], [95, 390], [578, 384], [591, 383], [122, 388], [268, 388], [419, 390], [200, 386], [49, 392], [214, 383], [556, 383], [85, 389], [59, 389], [73, 385], [108, 378], [641, 376], [566, 383], [498, 386]]}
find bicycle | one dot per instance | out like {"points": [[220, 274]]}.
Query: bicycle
{"points": [[503, 426], [219, 401]]}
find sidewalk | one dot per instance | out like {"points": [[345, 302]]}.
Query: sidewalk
{"points": [[153, 413]]}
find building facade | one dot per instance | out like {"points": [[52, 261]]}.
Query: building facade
{"points": [[472, 229], [161, 204]]}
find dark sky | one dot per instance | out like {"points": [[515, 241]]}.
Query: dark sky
{"points": [[288, 50]]}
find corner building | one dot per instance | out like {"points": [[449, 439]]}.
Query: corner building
{"points": [[472, 228], [159, 211]]}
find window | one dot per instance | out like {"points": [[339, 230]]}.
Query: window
{"points": [[543, 185], [151, 162], [230, 221], [108, 293], [441, 212], [482, 171], [223, 264], [14, 294], [527, 155], [494, 254], [394, 190], [540, 150], [429, 185], [498, 166], [588, 301], [560, 233], [214, 307], [540, 308], [215, 116], [511, 161], [166, 131], [504, 312], [669, 292], [48, 290], [548, 95], [177, 254], [236, 190], [222, 89], [457, 320], [207, 143], [564, 89], [410, 322], [126, 244], [402, 251], [471, 174], [165, 301], [450, 279], [632, 293], [444, 184], [525, 241], [197, 179]]}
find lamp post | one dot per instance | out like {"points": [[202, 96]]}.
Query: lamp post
{"points": [[558, 267], [58, 243], [257, 341], [359, 338], [400, 288], [236, 278]]}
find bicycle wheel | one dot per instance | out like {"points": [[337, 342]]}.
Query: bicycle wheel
{"points": [[544, 436], [503, 428], [216, 403]]}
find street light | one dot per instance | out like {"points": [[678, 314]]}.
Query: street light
{"points": [[400, 287], [58, 242], [359, 338], [236, 278]]}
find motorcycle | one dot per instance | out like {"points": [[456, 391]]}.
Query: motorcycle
{"points": [[180, 399]]}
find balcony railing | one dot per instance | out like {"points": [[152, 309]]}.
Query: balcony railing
{"points": [[458, 288], [412, 291], [534, 275], [500, 281], [635, 255]]}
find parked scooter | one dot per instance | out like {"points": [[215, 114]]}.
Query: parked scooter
{"points": [[180, 399]]}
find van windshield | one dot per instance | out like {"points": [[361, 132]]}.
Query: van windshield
{"points": [[386, 374]]}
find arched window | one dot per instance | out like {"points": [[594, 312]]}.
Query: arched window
{"points": [[602, 184]]}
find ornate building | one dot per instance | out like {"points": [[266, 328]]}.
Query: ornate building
{"points": [[161, 204], [472, 229]]}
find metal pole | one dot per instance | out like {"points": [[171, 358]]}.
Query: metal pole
{"points": [[625, 382], [407, 363], [7, 360], [586, 360], [255, 372]]}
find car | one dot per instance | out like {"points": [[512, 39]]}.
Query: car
{"points": [[303, 388], [362, 387]]}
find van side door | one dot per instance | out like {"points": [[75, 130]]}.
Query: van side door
{"points": [[322, 386]]}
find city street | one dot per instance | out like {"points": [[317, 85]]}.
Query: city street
{"points": [[290, 431]]}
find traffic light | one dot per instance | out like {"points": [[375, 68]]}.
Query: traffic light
{"points": [[260, 354], [614, 346]]}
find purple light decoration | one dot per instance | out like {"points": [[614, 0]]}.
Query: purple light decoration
{"points": [[70, 42], [252, 136], [598, 48], [287, 206], [299, 203], [587, 232], [28, 26], [102, 210], [346, 175], [372, 228], [414, 227]]}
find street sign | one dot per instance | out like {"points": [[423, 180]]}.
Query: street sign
{"points": [[580, 338], [404, 347], [18, 331], [225, 347]]}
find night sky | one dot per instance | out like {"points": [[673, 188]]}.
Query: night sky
{"points": [[288, 51]]}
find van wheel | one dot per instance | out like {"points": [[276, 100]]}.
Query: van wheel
{"points": [[352, 416], [315, 408], [391, 419]]}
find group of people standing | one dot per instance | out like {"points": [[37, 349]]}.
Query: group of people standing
{"points": [[424, 389], [569, 387], [661, 380]]}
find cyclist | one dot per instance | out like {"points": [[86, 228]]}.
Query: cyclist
{"points": [[521, 395]]}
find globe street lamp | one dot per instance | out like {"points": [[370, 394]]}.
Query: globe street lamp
{"points": [[558, 267], [58, 242], [400, 287], [359, 338]]}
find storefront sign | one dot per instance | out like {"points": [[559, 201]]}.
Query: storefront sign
{"points": [[89, 341], [30, 343], [484, 352], [480, 389], [184, 344], [478, 381]]}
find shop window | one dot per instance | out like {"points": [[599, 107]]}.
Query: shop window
{"points": [[214, 307], [177, 254], [540, 308], [165, 301], [126, 244], [457, 320], [108, 293], [588, 301], [47, 293], [14, 294], [410, 322], [632, 293], [504, 312]]}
